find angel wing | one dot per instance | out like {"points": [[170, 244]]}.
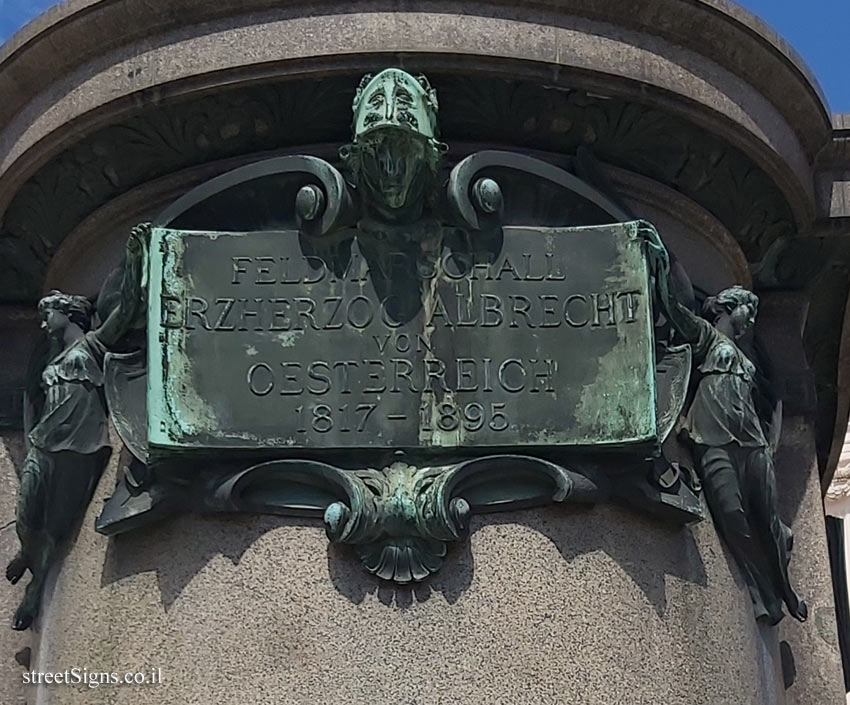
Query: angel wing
{"points": [[125, 382], [122, 305], [672, 375]]}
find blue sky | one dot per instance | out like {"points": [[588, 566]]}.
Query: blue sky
{"points": [[818, 30]]}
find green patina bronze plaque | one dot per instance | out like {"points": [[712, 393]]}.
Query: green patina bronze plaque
{"points": [[254, 344]]}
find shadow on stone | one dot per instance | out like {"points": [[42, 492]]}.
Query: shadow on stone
{"points": [[200, 539], [24, 657], [647, 550], [792, 457], [789, 665]]}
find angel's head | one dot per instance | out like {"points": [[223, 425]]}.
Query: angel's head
{"points": [[737, 303], [58, 309]]}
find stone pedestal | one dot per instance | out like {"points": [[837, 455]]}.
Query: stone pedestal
{"points": [[545, 606], [813, 660]]}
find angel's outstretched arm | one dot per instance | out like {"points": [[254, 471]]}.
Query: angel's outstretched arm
{"points": [[688, 325], [133, 288]]}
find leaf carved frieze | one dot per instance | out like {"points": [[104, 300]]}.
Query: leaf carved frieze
{"points": [[645, 140], [513, 114]]}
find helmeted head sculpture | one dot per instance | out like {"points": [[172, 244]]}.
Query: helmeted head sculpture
{"points": [[394, 98], [394, 155]]}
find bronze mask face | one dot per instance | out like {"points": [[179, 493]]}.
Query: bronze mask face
{"points": [[394, 154], [392, 163]]}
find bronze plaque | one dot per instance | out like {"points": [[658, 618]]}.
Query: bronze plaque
{"points": [[254, 344]]}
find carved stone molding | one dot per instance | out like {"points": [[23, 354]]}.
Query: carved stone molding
{"points": [[242, 121], [400, 518]]}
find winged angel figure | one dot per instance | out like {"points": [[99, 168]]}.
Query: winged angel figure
{"points": [[65, 420], [730, 438]]}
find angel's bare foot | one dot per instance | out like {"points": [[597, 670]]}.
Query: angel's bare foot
{"points": [[799, 609], [24, 617], [28, 610], [16, 569]]}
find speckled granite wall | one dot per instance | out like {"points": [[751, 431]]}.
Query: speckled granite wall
{"points": [[11, 643], [547, 606], [811, 649]]}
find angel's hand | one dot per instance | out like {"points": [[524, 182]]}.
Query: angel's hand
{"points": [[134, 283], [656, 252], [130, 310]]}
